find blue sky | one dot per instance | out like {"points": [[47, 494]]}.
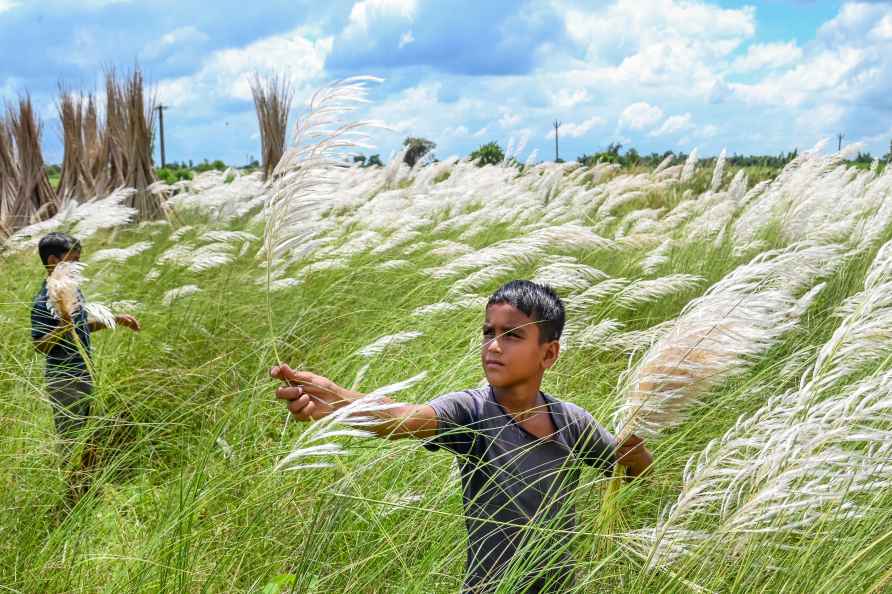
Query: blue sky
{"points": [[764, 76]]}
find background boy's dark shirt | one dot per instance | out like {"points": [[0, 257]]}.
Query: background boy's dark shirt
{"points": [[64, 360], [513, 483]]}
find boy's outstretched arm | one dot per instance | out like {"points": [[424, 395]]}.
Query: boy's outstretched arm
{"points": [[633, 454], [125, 320], [312, 397]]}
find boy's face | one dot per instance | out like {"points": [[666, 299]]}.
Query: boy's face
{"points": [[72, 256], [511, 352]]}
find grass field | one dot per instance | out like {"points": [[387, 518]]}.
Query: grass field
{"points": [[187, 499]]}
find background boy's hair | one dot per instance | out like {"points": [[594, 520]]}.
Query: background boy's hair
{"points": [[57, 244], [539, 302]]}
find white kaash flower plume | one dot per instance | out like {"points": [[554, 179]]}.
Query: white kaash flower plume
{"points": [[478, 279], [806, 456], [393, 265], [664, 164], [323, 140], [863, 335], [690, 165], [174, 294], [719, 334], [343, 422], [718, 172], [566, 274], [227, 236], [210, 256], [120, 254], [381, 344], [180, 233], [657, 257], [642, 291], [101, 314], [779, 474], [63, 289]]}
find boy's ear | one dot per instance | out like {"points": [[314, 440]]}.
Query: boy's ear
{"points": [[552, 351]]}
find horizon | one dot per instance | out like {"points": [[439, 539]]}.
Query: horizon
{"points": [[669, 76]]}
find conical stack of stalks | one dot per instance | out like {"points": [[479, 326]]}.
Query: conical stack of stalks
{"points": [[140, 171], [8, 179], [109, 166], [272, 100], [75, 181], [35, 199]]}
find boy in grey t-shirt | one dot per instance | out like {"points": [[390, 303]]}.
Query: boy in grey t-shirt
{"points": [[519, 450]]}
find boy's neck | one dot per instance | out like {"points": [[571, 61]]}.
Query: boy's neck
{"points": [[519, 398]]}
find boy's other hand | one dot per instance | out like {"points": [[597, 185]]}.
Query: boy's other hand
{"points": [[128, 321], [310, 397], [632, 454]]}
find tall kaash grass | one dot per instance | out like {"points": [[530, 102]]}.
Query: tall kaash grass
{"points": [[740, 327]]}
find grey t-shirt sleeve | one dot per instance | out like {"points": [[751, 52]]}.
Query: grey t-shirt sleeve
{"points": [[455, 416], [595, 445]]}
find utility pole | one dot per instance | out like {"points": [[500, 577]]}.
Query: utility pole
{"points": [[557, 125], [161, 109], [839, 138]]}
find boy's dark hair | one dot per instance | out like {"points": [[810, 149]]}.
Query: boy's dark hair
{"points": [[539, 302], [57, 244]]}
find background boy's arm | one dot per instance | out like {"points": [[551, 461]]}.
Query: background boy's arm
{"points": [[47, 330], [45, 343], [122, 320], [311, 397]]}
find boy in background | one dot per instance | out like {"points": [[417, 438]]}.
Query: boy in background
{"points": [[56, 335], [519, 450]]}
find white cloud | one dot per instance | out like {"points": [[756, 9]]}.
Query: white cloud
{"points": [[418, 111], [365, 12], [640, 115], [481, 132], [226, 74], [882, 31], [575, 130], [187, 34], [674, 124], [829, 70], [678, 45], [762, 56], [405, 39], [566, 99], [456, 131], [709, 131], [509, 120], [8, 5]]}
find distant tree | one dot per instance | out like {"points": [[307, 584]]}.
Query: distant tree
{"points": [[488, 154], [888, 156], [217, 165], [374, 160], [359, 159], [611, 155], [416, 148]]}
